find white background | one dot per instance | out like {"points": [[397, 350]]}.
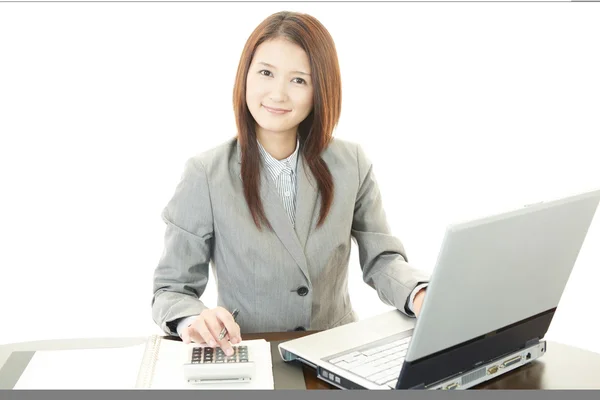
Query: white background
{"points": [[466, 109]]}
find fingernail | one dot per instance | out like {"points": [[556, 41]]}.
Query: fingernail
{"points": [[211, 342], [229, 352]]}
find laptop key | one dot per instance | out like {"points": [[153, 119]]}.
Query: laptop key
{"points": [[394, 363], [365, 371], [379, 362], [376, 377], [378, 349], [388, 377], [392, 383], [391, 374], [359, 360], [355, 363], [344, 357], [383, 380], [385, 353], [342, 364]]}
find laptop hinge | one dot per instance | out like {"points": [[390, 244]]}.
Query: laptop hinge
{"points": [[532, 342], [418, 387]]}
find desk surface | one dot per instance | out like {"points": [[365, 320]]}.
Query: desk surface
{"points": [[562, 367]]}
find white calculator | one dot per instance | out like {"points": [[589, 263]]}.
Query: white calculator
{"points": [[208, 365]]}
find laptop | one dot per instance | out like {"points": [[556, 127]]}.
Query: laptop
{"points": [[493, 292]]}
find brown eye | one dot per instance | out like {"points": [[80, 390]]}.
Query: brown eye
{"points": [[264, 70], [302, 81]]}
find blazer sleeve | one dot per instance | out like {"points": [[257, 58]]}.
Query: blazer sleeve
{"points": [[382, 256], [182, 272]]}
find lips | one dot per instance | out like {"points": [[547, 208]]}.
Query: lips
{"points": [[276, 110]]}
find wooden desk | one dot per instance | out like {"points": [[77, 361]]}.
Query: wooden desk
{"points": [[562, 367]]}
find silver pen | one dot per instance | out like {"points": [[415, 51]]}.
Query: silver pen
{"points": [[224, 330]]}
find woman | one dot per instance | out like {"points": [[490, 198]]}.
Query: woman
{"points": [[275, 208]]}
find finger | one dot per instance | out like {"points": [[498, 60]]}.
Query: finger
{"points": [[232, 341], [214, 325], [233, 329], [236, 339], [202, 333], [194, 336]]}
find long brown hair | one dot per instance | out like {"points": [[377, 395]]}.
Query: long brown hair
{"points": [[315, 132]]}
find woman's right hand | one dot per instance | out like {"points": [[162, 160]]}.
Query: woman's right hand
{"points": [[206, 328]]}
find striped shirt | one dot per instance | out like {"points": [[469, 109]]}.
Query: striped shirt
{"points": [[283, 173]]}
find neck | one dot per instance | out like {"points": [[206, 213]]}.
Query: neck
{"points": [[280, 145]]}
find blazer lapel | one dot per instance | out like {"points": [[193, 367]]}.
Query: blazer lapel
{"points": [[305, 201], [278, 217]]}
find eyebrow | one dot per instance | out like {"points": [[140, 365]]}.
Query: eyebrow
{"points": [[274, 67]]}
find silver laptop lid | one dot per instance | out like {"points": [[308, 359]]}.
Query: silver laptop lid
{"points": [[498, 270]]}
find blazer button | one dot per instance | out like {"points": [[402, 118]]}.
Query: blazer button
{"points": [[300, 328], [302, 291]]}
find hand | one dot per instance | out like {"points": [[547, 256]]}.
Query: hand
{"points": [[418, 301], [206, 328]]}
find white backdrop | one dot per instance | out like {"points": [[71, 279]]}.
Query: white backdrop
{"points": [[466, 109]]}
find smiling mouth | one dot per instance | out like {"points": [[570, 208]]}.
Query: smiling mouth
{"points": [[276, 110]]}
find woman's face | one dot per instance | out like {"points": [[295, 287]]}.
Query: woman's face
{"points": [[279, 78]]}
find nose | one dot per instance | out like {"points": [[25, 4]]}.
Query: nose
{"points": [[279, 91]]}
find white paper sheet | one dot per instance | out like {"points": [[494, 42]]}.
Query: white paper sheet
{"points": [[118, 368], [168, 372], [109, 368]]}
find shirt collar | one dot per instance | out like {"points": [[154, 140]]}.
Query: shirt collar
{"points": [[277, 166]]}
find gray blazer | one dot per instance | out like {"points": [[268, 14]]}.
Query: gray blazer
{"points": [[285, 279]]}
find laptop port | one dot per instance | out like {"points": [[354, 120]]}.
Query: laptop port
{"points": [[492, 370], [512, 361], [528, 356], [452, 386]]}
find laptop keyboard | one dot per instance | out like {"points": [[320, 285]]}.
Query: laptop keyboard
{"points": [[380, 365]]}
